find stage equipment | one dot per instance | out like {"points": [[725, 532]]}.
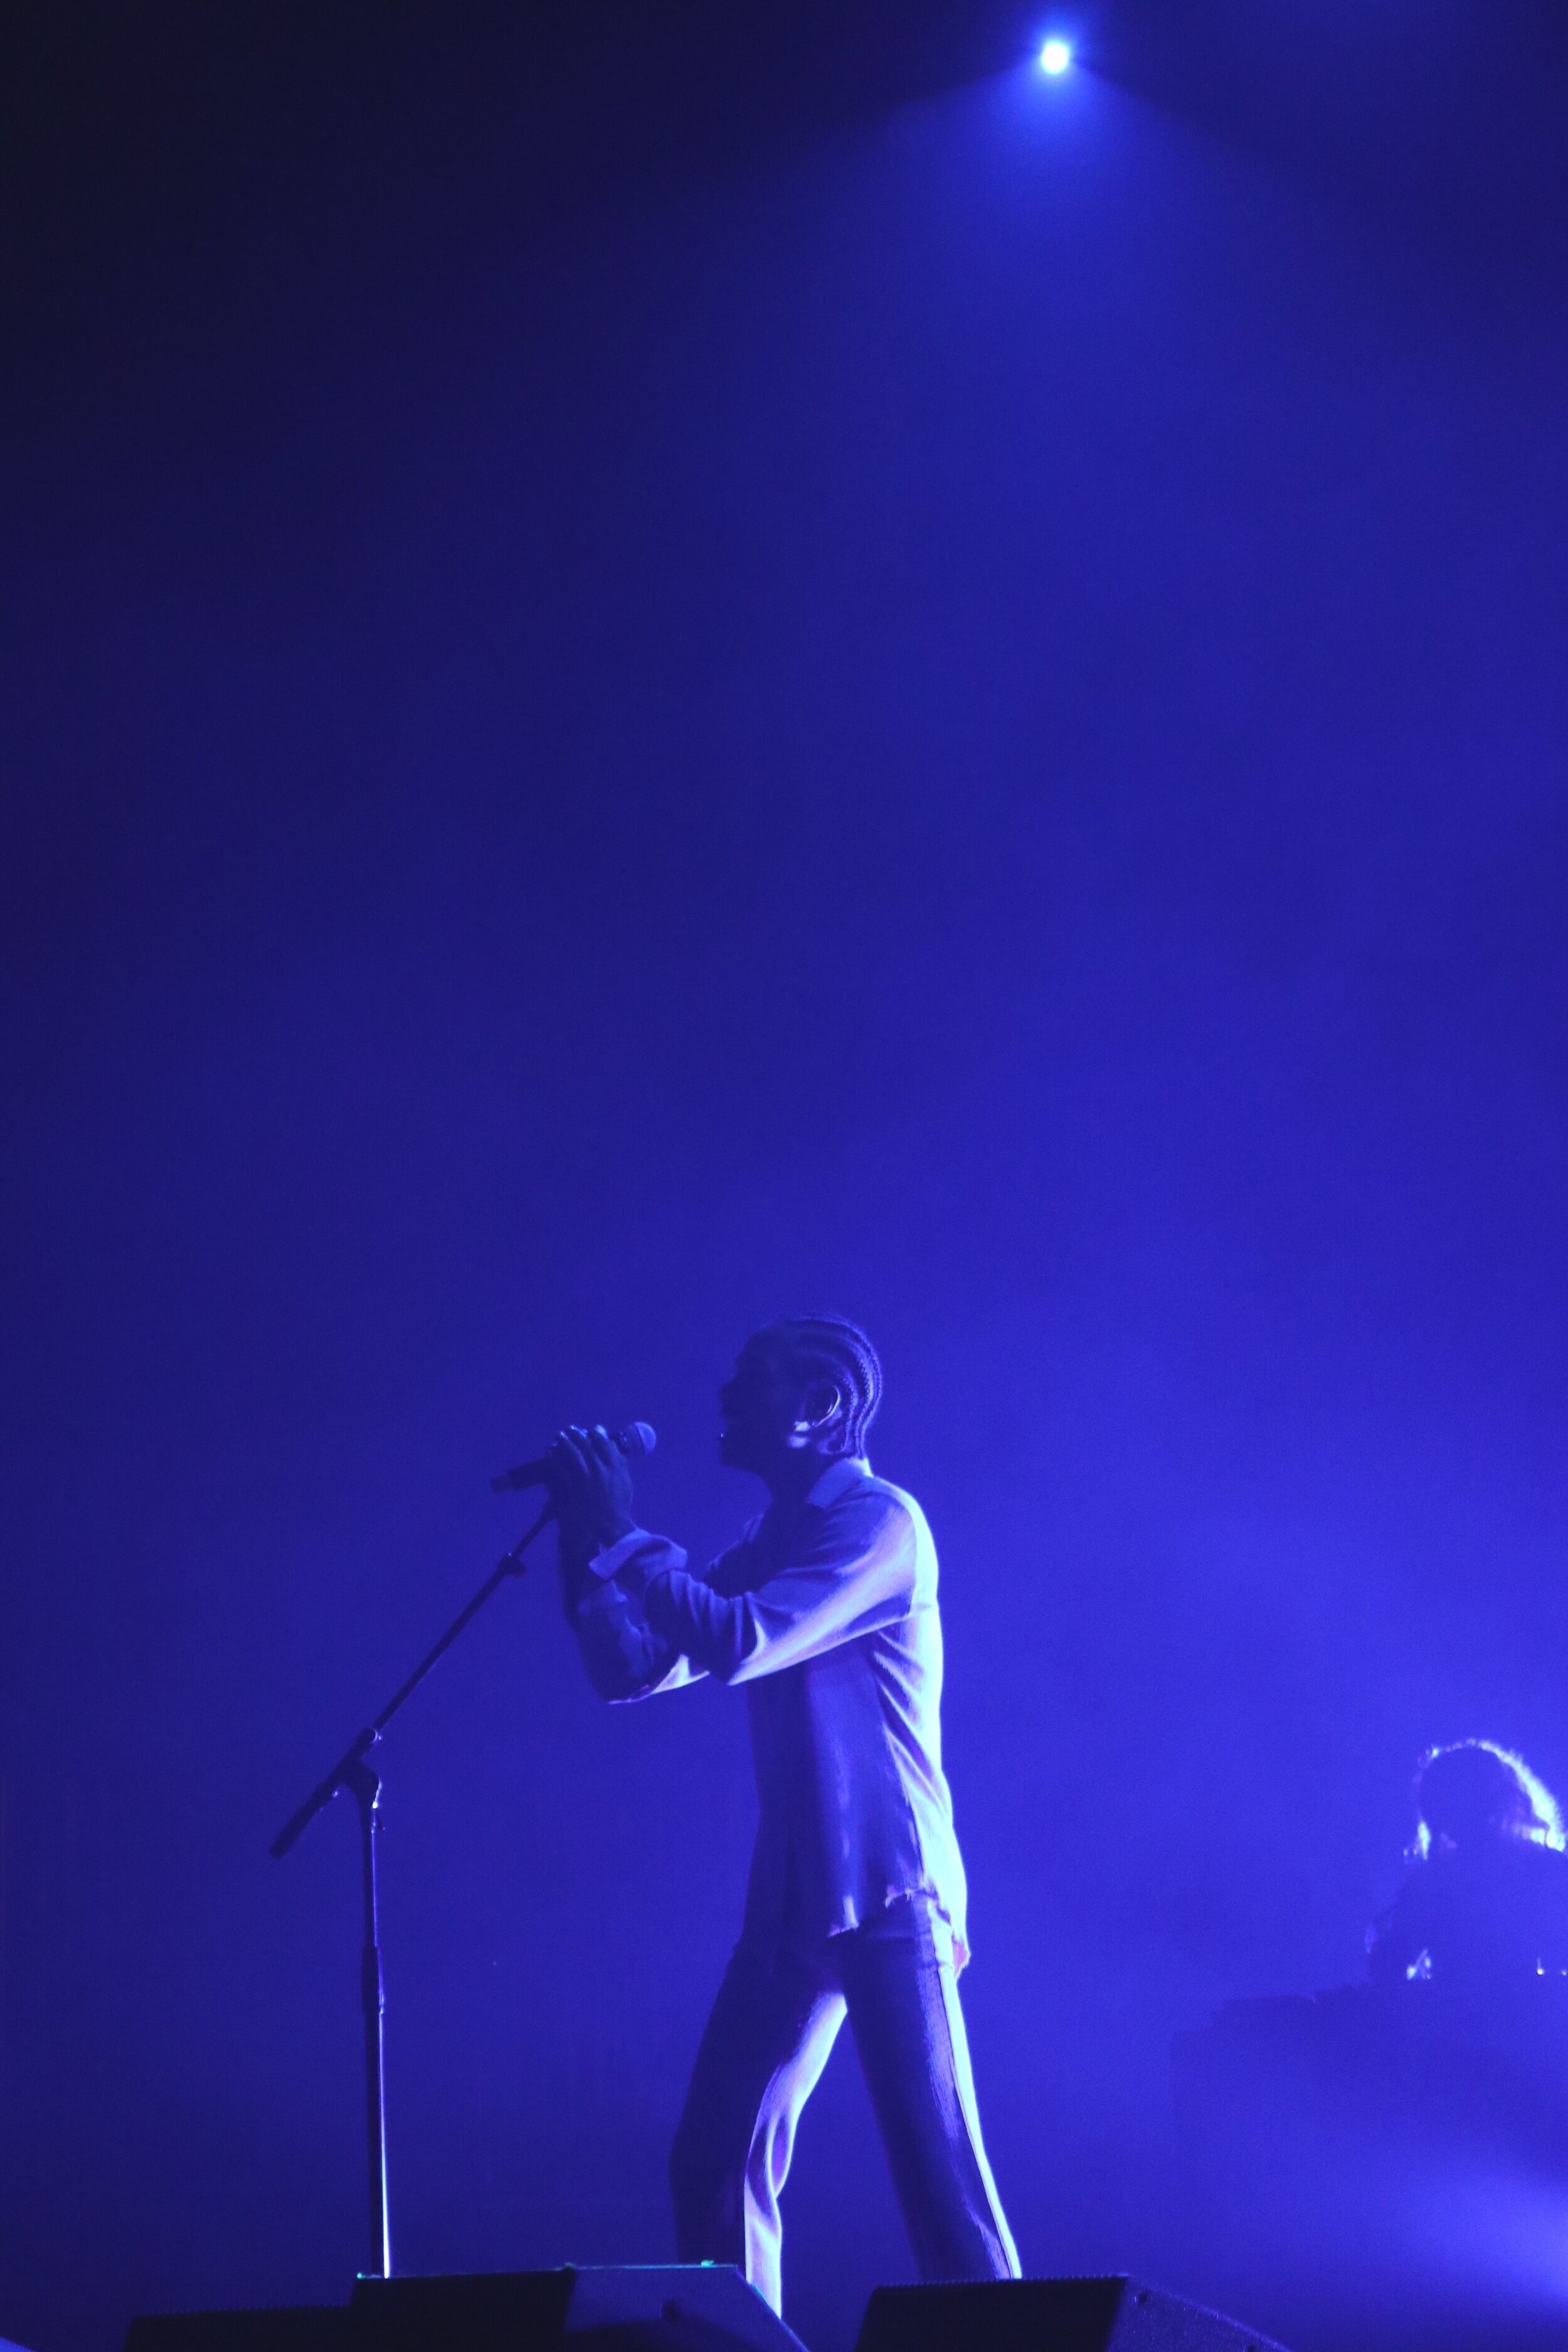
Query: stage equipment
{"points": [[637, 1442], [354, 1772], [1060, 2315], [673, 2307], [1056, 55]]}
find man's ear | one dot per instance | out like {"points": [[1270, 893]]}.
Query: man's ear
{"points": [[820, 1406]]}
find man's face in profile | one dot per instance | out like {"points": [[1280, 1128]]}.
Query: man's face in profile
{"points": [[758, 1406]]}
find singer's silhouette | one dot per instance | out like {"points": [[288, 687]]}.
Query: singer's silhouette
{"points": [[826, 1610]]}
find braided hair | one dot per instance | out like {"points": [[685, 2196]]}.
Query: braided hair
{"points": [[824, 1347]]}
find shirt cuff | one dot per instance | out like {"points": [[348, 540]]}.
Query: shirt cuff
{"points": [[614, 1557]]}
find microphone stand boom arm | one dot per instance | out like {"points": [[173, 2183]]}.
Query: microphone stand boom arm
{"points": [[354, 1772]]}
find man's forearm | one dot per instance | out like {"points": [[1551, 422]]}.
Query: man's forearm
{"points": [[603, 1591], [574, 1557], [861, 1579]]}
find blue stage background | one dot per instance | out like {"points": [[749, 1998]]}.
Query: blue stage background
{"points": [[640, 697]]}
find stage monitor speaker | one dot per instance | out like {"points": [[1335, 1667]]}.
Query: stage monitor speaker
{"points": [[665, 2307], [653, 2307], [1063, 2315]]}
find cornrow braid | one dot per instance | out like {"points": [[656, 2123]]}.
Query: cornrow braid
{"points": [[825, 1347]]}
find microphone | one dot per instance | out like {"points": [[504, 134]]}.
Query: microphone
{"points": [[637, 1442]]}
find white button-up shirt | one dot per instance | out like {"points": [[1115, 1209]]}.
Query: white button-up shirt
{"points": [[826, 1611]]}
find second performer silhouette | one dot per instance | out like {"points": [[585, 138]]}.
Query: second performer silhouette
{"points": [[826, 1611]]}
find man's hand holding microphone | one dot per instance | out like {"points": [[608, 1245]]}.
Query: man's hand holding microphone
{"points": [[591, 1486]]}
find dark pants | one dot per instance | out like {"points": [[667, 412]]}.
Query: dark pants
{"points": [[776, 2020]]}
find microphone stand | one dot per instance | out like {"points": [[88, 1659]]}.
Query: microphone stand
{"points": [[354, 1772]]}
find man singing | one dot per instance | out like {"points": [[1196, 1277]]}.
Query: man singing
{"points": [[826, 1610]]}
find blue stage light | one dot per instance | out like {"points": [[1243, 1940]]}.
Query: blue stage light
{"points": [[1056, 55]]}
